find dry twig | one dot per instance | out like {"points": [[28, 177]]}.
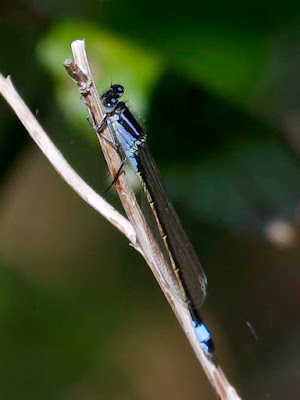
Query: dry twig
{"points": [[136, 230]]}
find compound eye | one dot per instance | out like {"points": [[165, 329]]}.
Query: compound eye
{"points": [[118, 90], [108, 105]]}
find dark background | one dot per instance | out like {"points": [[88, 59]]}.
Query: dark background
{"points": [[218, 88]]}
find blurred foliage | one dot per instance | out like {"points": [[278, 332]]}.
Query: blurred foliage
{"points": [[217, 88]]}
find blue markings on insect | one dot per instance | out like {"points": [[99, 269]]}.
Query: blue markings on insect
{"points": [[203, 335]]}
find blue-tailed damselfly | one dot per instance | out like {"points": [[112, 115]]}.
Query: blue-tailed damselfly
{"points": [[185, 268]]}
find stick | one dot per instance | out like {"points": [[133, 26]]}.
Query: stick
{"points": [[80, 71], [136, 230], [60, 164]]}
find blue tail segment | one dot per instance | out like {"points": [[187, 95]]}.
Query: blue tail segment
{"points": [[204, 337], [202, 332]]}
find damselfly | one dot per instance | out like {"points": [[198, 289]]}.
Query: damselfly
{"points": [[184, 266]]}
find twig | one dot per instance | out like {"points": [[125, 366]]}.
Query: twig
{"points": [[60, 164], [80, 71], [140, 236]]}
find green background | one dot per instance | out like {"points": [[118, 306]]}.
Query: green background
{"points": [[217, 87]]}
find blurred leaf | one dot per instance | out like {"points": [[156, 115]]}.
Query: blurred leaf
{"points": [[113, 59]]}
